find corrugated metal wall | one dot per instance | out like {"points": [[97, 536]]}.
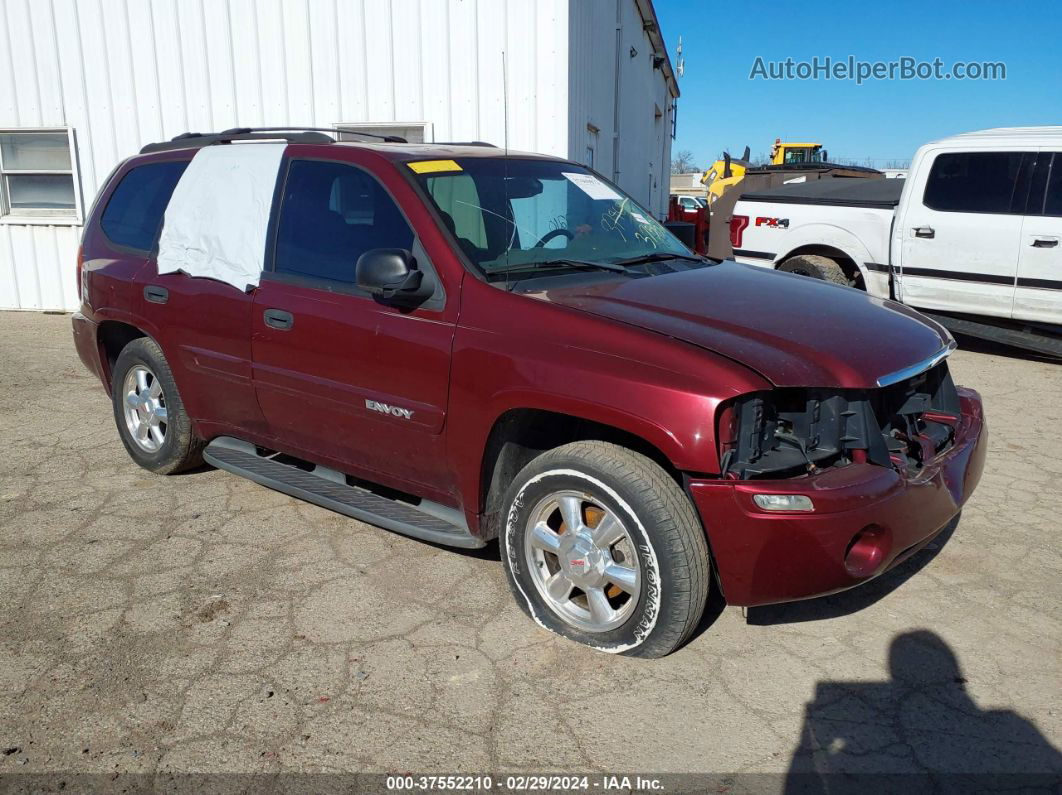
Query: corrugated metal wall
{"points": [[126, 72], [614, 95]]}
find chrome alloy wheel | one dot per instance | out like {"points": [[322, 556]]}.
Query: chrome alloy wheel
{"points": [[145, 408], [583, 561]]}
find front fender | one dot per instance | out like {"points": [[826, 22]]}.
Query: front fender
{"points": [[671, 408]]}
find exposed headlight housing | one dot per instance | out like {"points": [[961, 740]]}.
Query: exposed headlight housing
{"points": [[788, 432]]}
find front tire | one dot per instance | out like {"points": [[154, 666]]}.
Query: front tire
{"points": [[601, 546], [149, 413]]}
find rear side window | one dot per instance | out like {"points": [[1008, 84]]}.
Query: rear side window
{"points": [[1053, 199], [333, 213], [978, 182], [133, 216]]}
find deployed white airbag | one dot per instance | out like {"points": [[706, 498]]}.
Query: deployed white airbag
{"points": [[215, 224]]}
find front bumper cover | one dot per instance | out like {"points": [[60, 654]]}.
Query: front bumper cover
{"points": [[764, 558]]}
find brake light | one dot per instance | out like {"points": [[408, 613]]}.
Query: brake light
{"points": [[81, 273], [737, 229]]}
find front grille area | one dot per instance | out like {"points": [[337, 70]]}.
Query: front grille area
{"points": [[788, 432]]}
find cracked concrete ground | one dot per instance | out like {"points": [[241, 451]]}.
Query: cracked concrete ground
{"points": [[203, 623]]}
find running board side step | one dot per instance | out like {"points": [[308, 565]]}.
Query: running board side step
{"points": [[1029, 340], [328, 488]]}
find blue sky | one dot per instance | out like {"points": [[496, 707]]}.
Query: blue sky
{"points": [[721, 108]]}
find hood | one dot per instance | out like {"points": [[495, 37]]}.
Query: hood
{"points": [[792, 330]]}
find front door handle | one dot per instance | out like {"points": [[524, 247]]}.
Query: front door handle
{"points": [[1044, 242], [924, 231], [278, 319]]}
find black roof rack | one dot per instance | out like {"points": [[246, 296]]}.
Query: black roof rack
{"points": [[463, 143], [295, 135], [390, 139]]}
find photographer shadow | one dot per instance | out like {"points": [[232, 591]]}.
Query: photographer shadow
{"points": [[919, 731]]}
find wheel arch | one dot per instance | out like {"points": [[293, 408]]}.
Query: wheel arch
{"points": [[830, 241], [111, 337], [852, 269], [519, 434]]}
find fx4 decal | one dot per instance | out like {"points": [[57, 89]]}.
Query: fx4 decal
{"points": [[773, 223], [385, 408]]}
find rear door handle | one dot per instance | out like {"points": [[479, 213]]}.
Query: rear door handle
{"points": [[156, 294], [924, 231], [278, 319], [1044, 242]]}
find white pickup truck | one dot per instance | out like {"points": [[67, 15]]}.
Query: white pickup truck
{"points": [[971, 236]]}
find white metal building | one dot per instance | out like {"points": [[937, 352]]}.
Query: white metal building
{"points": [[86, 83]]}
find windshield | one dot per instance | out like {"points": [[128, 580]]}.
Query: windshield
{"points": [[509, 214]]}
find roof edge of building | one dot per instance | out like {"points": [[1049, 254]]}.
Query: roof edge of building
{"points": [[651, 25]]}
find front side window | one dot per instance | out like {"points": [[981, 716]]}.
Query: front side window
{"points": [[331, 214], [976, 182], [133, 216], [527, 213], [36, 173]]}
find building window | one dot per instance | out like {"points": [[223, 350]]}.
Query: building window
{"points": [[591, 143], [415, 132], [37, 175]]}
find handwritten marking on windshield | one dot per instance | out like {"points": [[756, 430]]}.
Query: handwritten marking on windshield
{"points": [[610, 221]]}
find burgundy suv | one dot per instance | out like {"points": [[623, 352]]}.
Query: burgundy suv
{"points": [[462, 344]]}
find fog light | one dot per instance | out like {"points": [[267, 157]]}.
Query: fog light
{"points": [[783, 502], [867, 551]]}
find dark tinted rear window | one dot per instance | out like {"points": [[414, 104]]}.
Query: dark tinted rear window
{"points": [[1053, 201], [976, 182], [133, 215]]}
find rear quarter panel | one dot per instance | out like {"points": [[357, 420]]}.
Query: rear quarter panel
{"points": [[861, 234]]}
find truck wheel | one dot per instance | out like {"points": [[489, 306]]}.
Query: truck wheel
{"points": [[149, 413], [602, 547], [815, 266]]}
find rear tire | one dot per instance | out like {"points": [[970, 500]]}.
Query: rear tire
{"points": [[149, 413], [633, 576], [817, 267]]}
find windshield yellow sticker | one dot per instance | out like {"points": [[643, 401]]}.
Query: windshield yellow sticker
{"points": [[431, 166]]}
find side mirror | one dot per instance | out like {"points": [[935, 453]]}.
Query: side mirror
{"points": [[824, 157], [386, 272]]}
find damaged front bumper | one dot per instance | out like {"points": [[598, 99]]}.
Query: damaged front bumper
{"points": [[867, 518]]}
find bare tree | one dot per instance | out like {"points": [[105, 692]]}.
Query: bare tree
{"points": [[683, 163]]}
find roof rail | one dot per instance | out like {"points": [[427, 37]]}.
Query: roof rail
{"points": [[390, 139], [464, 143], [190, 140], [295, 135]]}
